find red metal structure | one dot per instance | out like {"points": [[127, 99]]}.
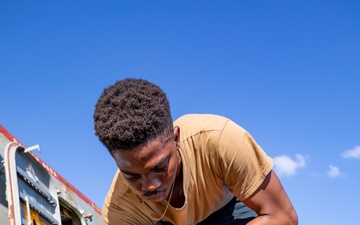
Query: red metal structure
{"points": [[32, 193]]}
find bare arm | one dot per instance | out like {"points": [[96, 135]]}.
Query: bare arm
{"points": [[272, 204]]}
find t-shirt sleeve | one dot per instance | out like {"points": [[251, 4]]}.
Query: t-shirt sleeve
{"points": [[121, 207], [244, 165]]}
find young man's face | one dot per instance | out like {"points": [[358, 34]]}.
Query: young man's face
{"points": [[150, 169]]}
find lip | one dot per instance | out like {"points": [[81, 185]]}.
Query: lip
{"points": [[158, 197]]}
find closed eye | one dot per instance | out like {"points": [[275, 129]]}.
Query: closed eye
{"points": [[161, 168], [131, 177]]}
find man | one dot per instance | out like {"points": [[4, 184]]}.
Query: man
{"points": [[201, 169]]}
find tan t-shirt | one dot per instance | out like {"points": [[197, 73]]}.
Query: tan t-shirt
{"points": [[220, 160]]}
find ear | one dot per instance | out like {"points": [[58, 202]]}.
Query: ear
{"points": [[177, 135]]}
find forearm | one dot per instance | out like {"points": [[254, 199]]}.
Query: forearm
{"points": [[280, 220]]}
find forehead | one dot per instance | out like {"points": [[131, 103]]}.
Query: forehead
{"points": [[143, 156]]}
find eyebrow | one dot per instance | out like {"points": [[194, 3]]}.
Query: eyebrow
{"points": [[166, 158]]}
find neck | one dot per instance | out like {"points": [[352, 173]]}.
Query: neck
{"points": [[178, 198]]}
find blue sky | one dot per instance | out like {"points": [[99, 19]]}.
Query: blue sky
{"points": [[287, 71]]}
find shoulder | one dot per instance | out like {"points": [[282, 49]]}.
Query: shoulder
{"points": [[201, 121], [195, 124], [206, 126]]}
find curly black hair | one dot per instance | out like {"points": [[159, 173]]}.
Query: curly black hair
{"points": [[130, 113]]}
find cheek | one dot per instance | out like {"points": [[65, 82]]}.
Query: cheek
{"points": [[165, 179], [135, 185]]}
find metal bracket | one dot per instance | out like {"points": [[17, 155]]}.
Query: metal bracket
{"points": [[32, 148]]}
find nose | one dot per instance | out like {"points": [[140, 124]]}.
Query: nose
{"points": [[150, 183]]}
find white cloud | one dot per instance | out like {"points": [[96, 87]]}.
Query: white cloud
{"points": [[333, 172], [284, 165], [352, 153]]}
